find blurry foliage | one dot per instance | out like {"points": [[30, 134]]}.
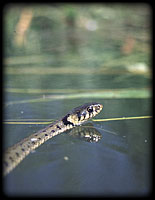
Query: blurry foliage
{"points": [[108, 31]]}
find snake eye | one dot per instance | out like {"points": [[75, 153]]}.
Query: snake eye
{"points": [[98, 106], [90, 109]]}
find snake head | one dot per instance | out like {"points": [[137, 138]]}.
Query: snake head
{"points": [[83, 113], [94, 108]]}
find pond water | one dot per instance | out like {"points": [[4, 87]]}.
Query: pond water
{"points": [[118, 164]]}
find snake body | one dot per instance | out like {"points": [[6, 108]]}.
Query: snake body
{"points": [[15, 154]]}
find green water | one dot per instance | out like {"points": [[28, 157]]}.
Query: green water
{"points": [[119, 163]]}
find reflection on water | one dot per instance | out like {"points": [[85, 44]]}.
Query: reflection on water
{"points": [[86, 132]]}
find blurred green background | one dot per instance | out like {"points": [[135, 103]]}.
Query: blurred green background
{"points": [[59, 56], [81, 44]]}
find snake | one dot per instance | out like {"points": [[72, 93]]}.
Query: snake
{"points": [[16, 153]]}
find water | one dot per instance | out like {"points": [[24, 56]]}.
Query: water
{"points": [[118, 164]]}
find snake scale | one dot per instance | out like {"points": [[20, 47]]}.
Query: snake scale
{"points": [[15, 154]]}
